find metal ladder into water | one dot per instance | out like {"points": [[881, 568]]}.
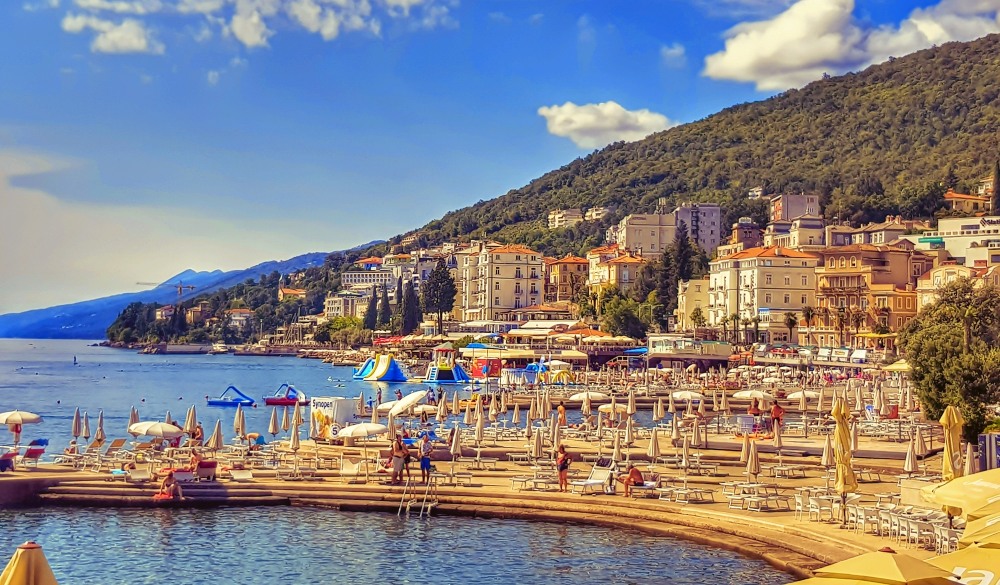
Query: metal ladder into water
{"points": [[410, 497]]}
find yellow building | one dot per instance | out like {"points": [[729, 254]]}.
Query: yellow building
{"points": [[865, 289], [288, 294], [566, 277], [691, 294]]}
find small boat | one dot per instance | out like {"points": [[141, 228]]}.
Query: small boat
{"points": [[286, 395], [237, 398], [218, 348]]}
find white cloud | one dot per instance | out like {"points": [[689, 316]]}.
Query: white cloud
{"points": [[330, 21], [213, 77], [596, 125], [200, 6], [585, 32], [121, 6], [145, 78], [238, 62], [203, 34], [128, 36], [248, 27], [499, 17], [536, 19], [674, 55], [401, 8], [813, 37], [40, 5], [742, 8]]}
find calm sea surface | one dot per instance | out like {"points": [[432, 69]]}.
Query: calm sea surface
{"points": [[290, 545]]}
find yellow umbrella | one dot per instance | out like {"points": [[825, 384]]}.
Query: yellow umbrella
{"points": [[28, 567], [951, 459], [981, 531], [978, 563], [990, 510], [884, 566], [967, 493], [846, 481]]}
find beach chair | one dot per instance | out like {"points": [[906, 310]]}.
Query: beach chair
{"points": [[206, 470], [240, 475], [31, 456], [353, 470], [600, 476], [109, 455], [7, 461], [138, 476], [648, 487]]}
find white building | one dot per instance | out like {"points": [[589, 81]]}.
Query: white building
{"points": [[499, 279]]}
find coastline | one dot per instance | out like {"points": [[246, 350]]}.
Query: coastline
{"points": [[795, 548]]}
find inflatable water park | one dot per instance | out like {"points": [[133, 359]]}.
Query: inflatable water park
{"points": [[231, 397], [286, 395], [381, 368], [443, 368]]}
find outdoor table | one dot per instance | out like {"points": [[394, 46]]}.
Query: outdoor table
{"points": [[889, 497]]}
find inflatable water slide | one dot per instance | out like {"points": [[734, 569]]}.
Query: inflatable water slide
{"points": [[381, 368]]}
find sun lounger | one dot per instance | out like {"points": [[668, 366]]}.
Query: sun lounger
{"points": [[353, 470], [240, 475], [206, 470], [138, 476], [647, 488], [31, 456], [595, 483]]}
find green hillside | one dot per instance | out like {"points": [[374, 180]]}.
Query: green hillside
{"points": [[868, 141]]}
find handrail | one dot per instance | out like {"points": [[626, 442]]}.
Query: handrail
{"points": [[427, 491], [402, 500]]}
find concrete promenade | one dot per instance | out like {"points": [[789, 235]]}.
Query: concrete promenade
{"points": [[794, 544]]}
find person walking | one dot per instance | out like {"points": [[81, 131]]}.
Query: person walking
{"points": [[426, 448], [561, 410], [399, 453]]}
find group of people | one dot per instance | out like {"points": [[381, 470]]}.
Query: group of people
{"points": [[400, 456]]}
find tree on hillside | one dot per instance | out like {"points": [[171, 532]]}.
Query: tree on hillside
{"points": [[371, 315], [946, 369], [666, 288], [411, 310], [398, 311], [384, 310], [996, 187], [439, 292], [619, 316]]}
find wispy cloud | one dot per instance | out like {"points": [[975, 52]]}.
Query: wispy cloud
{"points": [[813, 37], [499, 17], [597, 125], [673, 55]]}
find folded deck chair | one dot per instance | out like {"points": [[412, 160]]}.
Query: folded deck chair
{"points": [[241, 475], [206, 470]]}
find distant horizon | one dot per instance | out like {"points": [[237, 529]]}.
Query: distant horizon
{"points": [[141, 138]]}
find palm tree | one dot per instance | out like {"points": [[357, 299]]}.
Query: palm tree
{"points": [[745, 321], [791, 320], [736, 325], [857, 318], [808, 313]]}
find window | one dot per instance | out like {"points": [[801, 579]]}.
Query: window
{"points": [[805, 280], [803, 300], [517, 257], [767, 279], [767, 298], [788, 280], [830, 263], [496, 300], [788, 299], [843, 262], [497, 287], [697, 288], [498, 271], [854, 262]]}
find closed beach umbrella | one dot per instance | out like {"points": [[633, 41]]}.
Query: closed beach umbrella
{"points": [[951, 458], [671, 407], [613, 408], [297, 416], [859, 402], [629, 432], [910, 463], [675, 430], [456, 406], [547, 404], [724, 405], [585, 408], [480, 429], [690, 410], [538, 446], [826, 459], [715, 401], [295, 443], [653, 452], [778, 444], [600, 429], [168, 419], [803, 405], [846, 481], [527, 427], [28, 566], [616, 451], [745, 451], [701, 408], [820, 401], [286, 421], [630, 410], [686, 455], [191, 421], [99, 435], [373, 420], [516, 417], [442, 411], [467, 420], [133, 417], [658, 410], [556, 439], [214, 441], [920, 443], [272, 425], [696, 433], [85, 433], [753, 462], [494, 410], [455, 449], [970, 460], [239, 422], [77, 424]]}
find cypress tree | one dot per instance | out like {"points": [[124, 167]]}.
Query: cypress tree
{"points": [[384, 312], [438, 292], [371, 315], [996, 187], [411, 310]]}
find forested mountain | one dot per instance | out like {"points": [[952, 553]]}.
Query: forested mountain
{"points": [[868, 141]]}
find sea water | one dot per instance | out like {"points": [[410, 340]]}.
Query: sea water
{"points": [[290, 544], [293, 545]]}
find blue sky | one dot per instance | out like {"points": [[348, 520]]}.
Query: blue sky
{"points": [[142, 137]]}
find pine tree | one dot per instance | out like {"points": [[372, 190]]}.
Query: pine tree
{"points": [[666, 288], [384, 311], [411, 310], [371, 315], [398, 311], [439, 292], [683, 253]]}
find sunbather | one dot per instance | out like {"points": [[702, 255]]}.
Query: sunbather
{"points": [[169, 487], [629, 479]]}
